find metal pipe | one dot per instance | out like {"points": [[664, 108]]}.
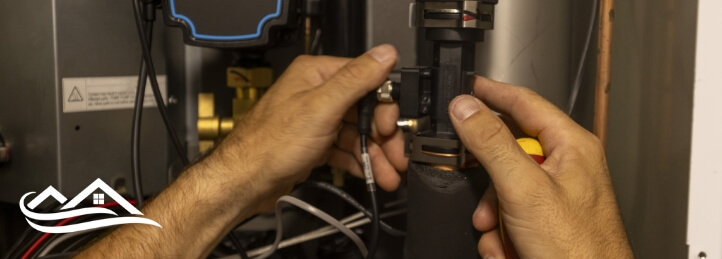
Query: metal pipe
{"points": [[604, 60]]}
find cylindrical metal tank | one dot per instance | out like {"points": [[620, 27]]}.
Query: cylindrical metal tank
{"points": [[531, 46]]}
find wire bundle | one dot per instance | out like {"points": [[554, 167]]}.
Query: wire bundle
{"points": [[144, 18], [37, 247], [349, 222]]}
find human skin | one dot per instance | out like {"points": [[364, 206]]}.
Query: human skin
{"points": [[563, 208], [305, 120]]}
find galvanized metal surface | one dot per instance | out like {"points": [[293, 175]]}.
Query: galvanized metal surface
{"points": [[530, 46], [390, 24], [52, 40], [650, 121], [650, 106]]}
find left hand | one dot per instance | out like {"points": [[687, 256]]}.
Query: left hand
{"points": [[293, 127]]}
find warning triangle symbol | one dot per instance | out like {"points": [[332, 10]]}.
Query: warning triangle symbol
{"points": [[75, 96]]}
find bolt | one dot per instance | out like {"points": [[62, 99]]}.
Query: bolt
{"points": [[172, 100], [425, 110]]}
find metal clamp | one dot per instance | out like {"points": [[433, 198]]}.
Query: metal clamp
{"points": [[422, 150], [460, 14]]}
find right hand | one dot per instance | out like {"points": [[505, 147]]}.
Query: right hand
{"points": [[563, 208]]}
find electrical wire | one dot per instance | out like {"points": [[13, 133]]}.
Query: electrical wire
{"points": [[316, 44], [353, 202], [145, 44], [16, 250], [365, 113], [320, 232], [237, 244], [58, 256], [578, 77], [371, 188], [16, 247], [79, 243], [316, 212], [138, 114], [154, 83], [51, 245], [63, 222]]}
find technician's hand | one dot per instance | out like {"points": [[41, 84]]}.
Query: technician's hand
{"points": [[563, 208], [307, 119]]}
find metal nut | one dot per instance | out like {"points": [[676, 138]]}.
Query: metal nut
{"points": [[383, 94]]}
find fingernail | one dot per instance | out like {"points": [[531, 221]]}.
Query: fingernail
{"points": [[488, 257], [383, 53], [464, 107]]}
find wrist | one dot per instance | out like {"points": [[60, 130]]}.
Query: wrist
{"points": [[228, 180]]}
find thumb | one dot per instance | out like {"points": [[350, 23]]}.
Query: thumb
{"points": [[356, 79], [486, 136]]}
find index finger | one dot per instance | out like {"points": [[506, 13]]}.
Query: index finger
{"points": [[536, 116], [314, 70]]}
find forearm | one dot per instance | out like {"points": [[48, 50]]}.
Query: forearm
{"points": [[195, 212]]}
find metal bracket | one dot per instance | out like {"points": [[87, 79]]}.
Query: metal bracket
{"points": [[460, 14], [420, 151]]}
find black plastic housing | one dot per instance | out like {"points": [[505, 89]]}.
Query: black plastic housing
{"points": [[233, 23]]}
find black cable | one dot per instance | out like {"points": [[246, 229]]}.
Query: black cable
{"points": [[353, 202], [82, 239], [59, 256], [78, 243], [23, 243], [154, 83], [371, 187], [239, 247], [375, 222], [365, 113], [138, 114]]}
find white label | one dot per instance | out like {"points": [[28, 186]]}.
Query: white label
{"points": [[107, 93], [368, 172]]}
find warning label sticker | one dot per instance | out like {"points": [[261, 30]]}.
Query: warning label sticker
{"points": [[106, 93]]}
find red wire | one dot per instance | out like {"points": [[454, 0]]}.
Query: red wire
{"points": [[62, 223]]}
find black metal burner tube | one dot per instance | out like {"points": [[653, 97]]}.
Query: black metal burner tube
{"points": [[442, 202], [440, 206], [452, 75]]}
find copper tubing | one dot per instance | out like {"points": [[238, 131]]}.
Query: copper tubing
{"points": [[604, 60]]}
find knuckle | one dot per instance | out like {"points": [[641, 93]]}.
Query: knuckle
{"points": [[302, 60], [354, 72], [589, 147]]}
